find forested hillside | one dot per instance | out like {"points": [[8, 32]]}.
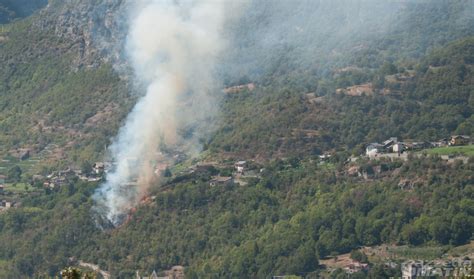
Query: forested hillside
{"points": [[296, 213], [51, 97], [279, 117], [63, 97]]}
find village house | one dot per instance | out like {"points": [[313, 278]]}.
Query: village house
{"points": [[240, 166], [398, 147], [390, 142], [459, 140], [5, 205], [373, 149], [356, 266], [98, 168], [325, 156], [441, 143], [392, 145], [220, 180], [49, 184], [1, 188]]}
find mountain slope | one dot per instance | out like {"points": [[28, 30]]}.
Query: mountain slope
{"points": [[63, 89], [281, 118], [50, 95]]}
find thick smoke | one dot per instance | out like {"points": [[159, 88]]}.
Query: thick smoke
{"points": [[324, 34], [303, 32], [172, 47]]}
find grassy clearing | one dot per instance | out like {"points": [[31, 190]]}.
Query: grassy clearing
{"points": [[5, 265], [466, 150], [19, 187], [384, 252], [463, 250], [28, 166], [425, 253]]}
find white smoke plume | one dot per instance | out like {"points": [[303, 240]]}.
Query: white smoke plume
{"points": [[173, 47]]}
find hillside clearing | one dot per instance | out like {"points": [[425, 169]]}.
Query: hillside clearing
{"points": [[467, 150]]}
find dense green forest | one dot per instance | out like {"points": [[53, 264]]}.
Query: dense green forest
{"points": [[296, 213], [298, 209]]}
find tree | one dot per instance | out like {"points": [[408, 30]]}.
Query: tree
{"points": [[359, 256], [74, 273], [461, 229], [86, 167], [14, 174], [388, 68], [167, 172]]}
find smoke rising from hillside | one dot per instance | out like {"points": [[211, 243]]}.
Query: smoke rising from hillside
{"points": [[173, 47]]}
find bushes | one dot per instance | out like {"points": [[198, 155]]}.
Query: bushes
{"points": [[359, 256], [248, 231]]}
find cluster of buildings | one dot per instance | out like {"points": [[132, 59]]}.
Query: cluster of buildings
{"points": [[5, 204], [55, 179], [345, 263], [355, 266], [241, 170], [392, 145], [62, 177], [239, 167]]}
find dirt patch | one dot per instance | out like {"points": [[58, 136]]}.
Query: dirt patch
{"points": [[238, 88], [339, 261], [357, 90], [313, 99], [102, 115], [348, 69], [306, 133]]}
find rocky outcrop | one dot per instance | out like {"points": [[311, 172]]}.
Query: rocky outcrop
{"points": [[95, 30]]}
